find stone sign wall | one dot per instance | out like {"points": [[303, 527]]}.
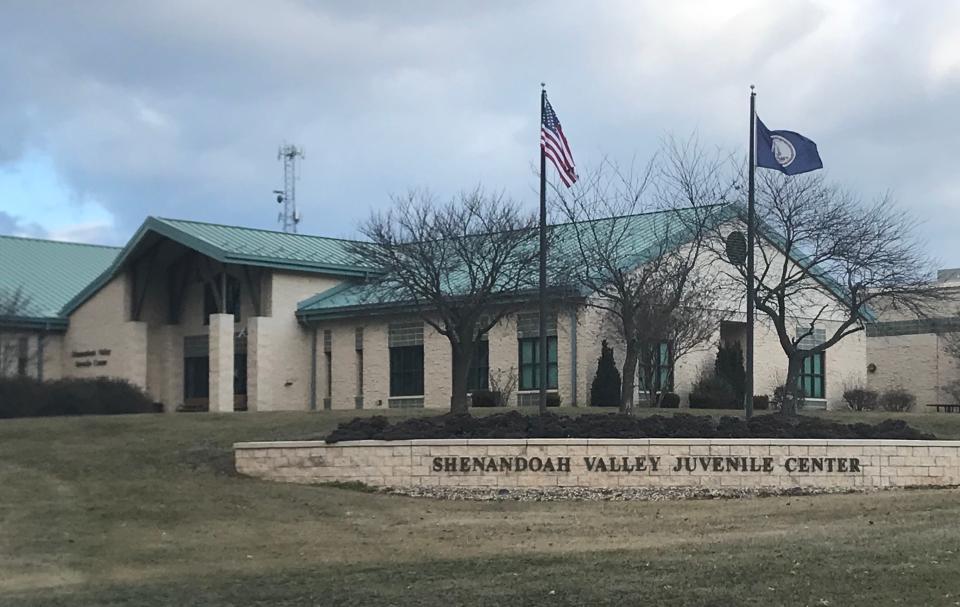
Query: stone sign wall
{"points": [[608, 462]]}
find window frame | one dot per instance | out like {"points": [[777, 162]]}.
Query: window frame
{"points": [[478, 377], [23, 355], [664, 364], [196, 381], [809, 375], [406, 371], [553, 375]]}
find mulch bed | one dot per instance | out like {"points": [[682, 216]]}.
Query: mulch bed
{"points": [[513, 424]]}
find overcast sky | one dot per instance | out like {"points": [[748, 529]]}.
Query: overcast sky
{"points": [[112, 111]]}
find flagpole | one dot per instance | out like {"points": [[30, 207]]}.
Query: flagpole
{"points": [[751, 286], [544, 373]]}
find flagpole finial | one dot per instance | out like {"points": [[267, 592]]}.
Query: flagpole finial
{"points": [[753, 90], [543, 85]]}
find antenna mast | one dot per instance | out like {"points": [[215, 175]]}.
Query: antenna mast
{"points": [[289, 217]]}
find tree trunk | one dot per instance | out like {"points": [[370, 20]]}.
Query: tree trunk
{"points": [[459, 402], [628, 375], [792, 389], [647, 370]]}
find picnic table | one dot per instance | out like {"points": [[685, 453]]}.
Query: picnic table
{"points": [[955, 408]]}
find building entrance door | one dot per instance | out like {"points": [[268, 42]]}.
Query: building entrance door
{"points": [[196, 373], [240, 373]]}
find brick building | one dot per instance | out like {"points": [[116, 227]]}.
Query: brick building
{"points": [[905, 351], [228, 318]]}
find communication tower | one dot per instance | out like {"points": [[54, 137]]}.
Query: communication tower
{"points": [[289, 217]]}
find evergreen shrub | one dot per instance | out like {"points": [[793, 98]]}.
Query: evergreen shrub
{"points": [[605, 390]]}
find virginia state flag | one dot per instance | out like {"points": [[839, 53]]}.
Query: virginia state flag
{"points": [[786, 151]]}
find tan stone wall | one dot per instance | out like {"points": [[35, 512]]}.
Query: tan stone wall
{"points": [[102, 323], [502, 343], [221, 363], [918, 363], [845, 361], [774, 463], [53, 356], [284, 364], [503, 352]]}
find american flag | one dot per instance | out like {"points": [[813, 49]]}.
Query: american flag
{"points": [[555, 146]]}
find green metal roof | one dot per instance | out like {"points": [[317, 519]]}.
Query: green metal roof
{"points": [[645, 234], [48, 273], [238, 245], [265, 247]]}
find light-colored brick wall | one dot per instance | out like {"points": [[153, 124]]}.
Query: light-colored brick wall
{"points": [[150, 352], [755, 463], [376, 364], [845, 361], [503, 353], [221, 363], [52, 356], [102, 323], [918, 363], [438, 361], [284, 362]]}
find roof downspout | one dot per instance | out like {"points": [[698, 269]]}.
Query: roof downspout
{"points": [[313, 368], [40, 338], [573, 356]]}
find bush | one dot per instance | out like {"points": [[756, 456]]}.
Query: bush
{"points": [[513, 424], [953, 390], [24, 397], [777, 399], [729, 367], [897, 399], [713, 392], [670, 401], [860, 399], [605, 391], [486, 398], [761, 402]]}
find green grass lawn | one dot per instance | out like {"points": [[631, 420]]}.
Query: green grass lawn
{"points": [[146, 510]]}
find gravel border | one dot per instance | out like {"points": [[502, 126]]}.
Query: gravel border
{"points": [[651, 494]]}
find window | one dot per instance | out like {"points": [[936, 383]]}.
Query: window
{"points": [[23, 356], [211, 298], [812, 337], [662, 363], [406, 370], [359, 348], [813, 375], [240, 373], [405, 340], [530, 363], [478, 378], [196, 377], [328, 360]]}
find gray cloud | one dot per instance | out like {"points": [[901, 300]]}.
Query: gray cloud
{"points": [[177, 108], [13, 225]]}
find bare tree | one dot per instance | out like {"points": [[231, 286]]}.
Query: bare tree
{"points": [[460, 265], [814, 237], [14, 305], [634, 243]]}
